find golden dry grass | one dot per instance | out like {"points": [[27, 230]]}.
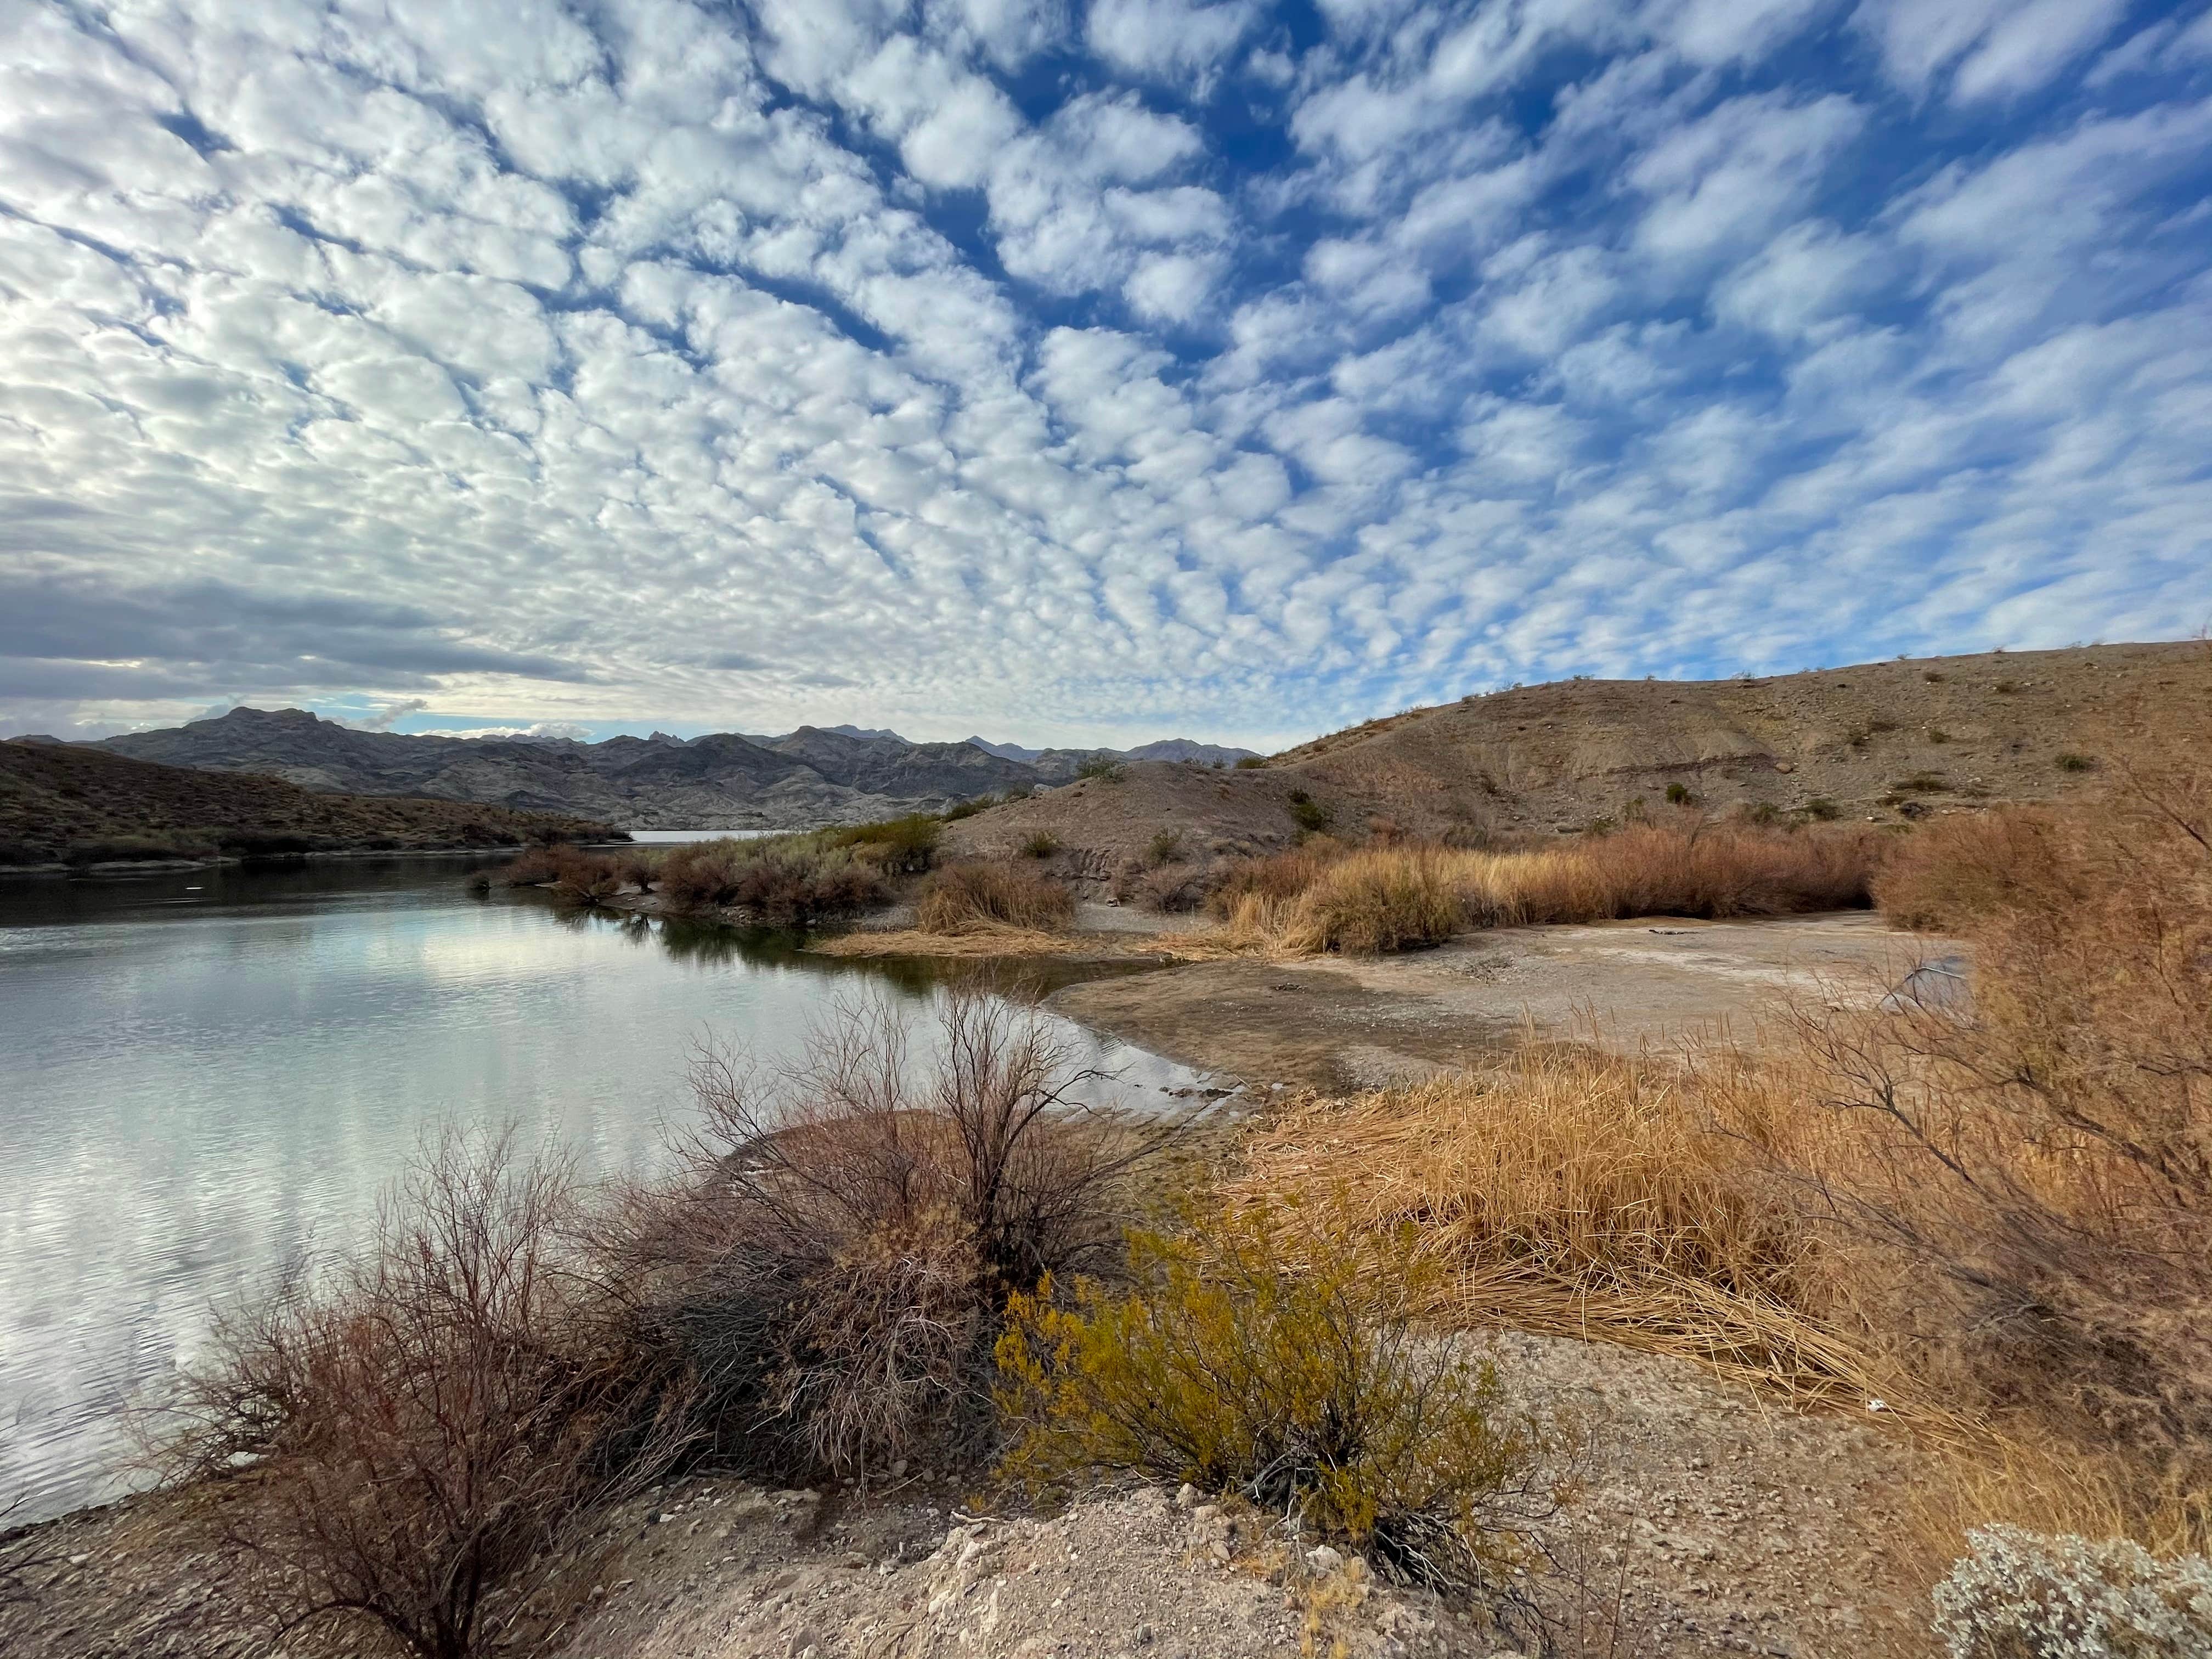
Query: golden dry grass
{"points": [[1578, 1194], [992, 898], [1325, 898]]}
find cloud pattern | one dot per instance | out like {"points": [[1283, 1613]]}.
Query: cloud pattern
{"points": [[1082, 371]]}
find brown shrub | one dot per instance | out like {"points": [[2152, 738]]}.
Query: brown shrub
{"points": [[1967, 866], [833, 1261], [2046, 1154], [785, 881], [966, 896], [427, 1421]]}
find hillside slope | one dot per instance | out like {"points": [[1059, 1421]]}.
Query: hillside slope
{"points": [[60, 802], [1886, 742]]}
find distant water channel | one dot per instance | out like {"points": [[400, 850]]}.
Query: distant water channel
{"points": [[207, 1073]]}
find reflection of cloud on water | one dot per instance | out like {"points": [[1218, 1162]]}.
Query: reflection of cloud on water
{"points": [[203, 1095]]}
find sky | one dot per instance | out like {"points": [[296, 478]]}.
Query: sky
{"points": [[1081, 371]]}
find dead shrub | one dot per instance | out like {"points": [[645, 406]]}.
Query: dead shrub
{"points": [[2045, 1153], [1306, 1392], [424, 1423], [966, 896], [833, 1261]]}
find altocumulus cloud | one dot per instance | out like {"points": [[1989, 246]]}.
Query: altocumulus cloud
{"points": [[1081, 370]]}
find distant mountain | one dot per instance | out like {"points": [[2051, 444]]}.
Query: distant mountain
{"points": [[69, 803], [722, 780], [1183, 749]]}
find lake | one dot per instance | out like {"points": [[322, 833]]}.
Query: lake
{"points": [[210, 1071]]}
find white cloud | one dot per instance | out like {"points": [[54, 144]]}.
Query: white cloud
{"points": [[1168, 39], [1992, 48], [847, 360]]}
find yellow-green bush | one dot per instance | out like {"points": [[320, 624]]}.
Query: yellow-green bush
{"points": [[1306, 1393]]}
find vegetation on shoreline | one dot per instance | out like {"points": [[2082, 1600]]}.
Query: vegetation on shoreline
{"points": [[1992, 1215], [1386, 895], [1996, 1218]]}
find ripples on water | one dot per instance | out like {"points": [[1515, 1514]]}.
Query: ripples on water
{"points": [[209, 1072]]}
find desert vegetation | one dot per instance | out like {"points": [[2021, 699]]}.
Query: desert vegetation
{"points": [[783, 881], [967, 898], [1302, 1386], [1328, 895], [1990, 1213]]}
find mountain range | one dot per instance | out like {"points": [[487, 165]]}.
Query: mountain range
{"points": [[722, 780]]}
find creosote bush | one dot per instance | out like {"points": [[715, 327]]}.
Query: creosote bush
{"points": [[964, 897], [1305, 1392]]}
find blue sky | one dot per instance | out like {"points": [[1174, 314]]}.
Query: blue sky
{"points": [[1082, 372]]}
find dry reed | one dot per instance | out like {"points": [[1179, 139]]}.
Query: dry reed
{"points": [[1326, 897], [1579, 1194]]}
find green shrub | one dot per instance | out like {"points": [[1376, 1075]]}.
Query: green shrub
{"points": [[968, 809], [1250, 763], [1104, 768], [1678, 794], [1040, 844], [1163, 847], [2007, 688], [1937, 734], [896, 846], [1304, 1390], [2073, 762], [1308, 814], [1922, 783], [1822, 808]]}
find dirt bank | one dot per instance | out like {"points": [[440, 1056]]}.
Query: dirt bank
{"points": [[1337, 1023]]}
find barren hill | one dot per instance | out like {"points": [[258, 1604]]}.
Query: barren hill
{"points": [[1887, 742], [60, 802]]}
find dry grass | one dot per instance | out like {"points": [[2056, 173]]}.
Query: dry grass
{"points": [[967, 898], [1580, 1194], [1997, 1216], [977, 941], [1325, 897]]}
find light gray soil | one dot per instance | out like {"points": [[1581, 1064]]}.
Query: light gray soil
{"points": [[1351, 1021]]}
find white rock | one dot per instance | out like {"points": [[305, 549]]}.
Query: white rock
{"points": [[1323, 1560], [1188, 1498]]}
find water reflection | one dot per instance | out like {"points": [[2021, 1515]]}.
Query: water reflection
{"points": [[212, 1071]]}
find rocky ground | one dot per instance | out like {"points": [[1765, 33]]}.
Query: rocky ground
{"points": [[1702, 1521]]}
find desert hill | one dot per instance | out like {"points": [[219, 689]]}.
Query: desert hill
{"points": [[724, 781], [1886, 742], [64, 803]]}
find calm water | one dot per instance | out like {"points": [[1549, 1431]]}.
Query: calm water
{"points": [[207, 1073]]}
